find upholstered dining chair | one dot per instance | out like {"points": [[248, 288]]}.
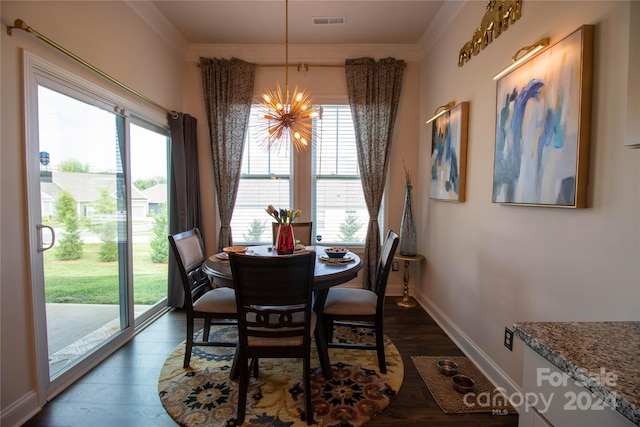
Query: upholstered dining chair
{"points": [[362, 307], [301, 231], [275, 316], [217, 306]]}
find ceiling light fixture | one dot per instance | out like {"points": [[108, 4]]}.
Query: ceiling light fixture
{"points": [[446, 107], [529, 52], [287, 120]]}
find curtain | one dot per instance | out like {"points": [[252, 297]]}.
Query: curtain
{"points": [[374, 93], [184, 192], [228, 91]]}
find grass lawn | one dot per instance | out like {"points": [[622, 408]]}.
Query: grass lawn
{"points": [[90, 281]]}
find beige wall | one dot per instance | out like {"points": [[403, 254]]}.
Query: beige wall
{"points": [[491, 265], [327, 85], [487, 265], [111, 37]]}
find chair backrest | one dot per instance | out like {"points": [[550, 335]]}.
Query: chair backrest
{"points": [[273, 295], [188, 250], [384, 265], [301, 231]]}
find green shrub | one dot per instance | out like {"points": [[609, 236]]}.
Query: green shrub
{"points": [[160, 242], [108, 252], [349, 228], [70, 245], [255, 231]]}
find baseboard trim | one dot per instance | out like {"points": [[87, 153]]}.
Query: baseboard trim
{"points": [[492, 371], [20, 411]]}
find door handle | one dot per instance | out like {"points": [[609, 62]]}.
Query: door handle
{"points": [[41, 247]]}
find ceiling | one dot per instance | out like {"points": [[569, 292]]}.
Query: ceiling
{"points": [[263, 21]]}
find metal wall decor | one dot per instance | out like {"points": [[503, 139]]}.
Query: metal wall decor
{"points": [[499, 15]]}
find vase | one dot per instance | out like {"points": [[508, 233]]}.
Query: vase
{"points": [[408, 239], [285, 243]]}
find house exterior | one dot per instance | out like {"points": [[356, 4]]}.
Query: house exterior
{"points": [[487, 265], [85, 189], [157, 198]]}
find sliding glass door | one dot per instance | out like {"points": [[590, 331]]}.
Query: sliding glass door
{"points": [[82, 184], [97, 192], [150, 221]]}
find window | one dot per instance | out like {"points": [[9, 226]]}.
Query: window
{"points": [[340, 212], [336, 204], [265, 179]]}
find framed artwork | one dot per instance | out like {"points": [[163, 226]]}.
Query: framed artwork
{"points": [[449, 154], [543, 121]]}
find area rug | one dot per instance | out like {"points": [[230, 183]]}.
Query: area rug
{"points": [[203, 394], [485, 397]]}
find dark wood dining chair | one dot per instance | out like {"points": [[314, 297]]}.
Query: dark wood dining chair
{"points": [[301, 231], [362, 308], [275, 317], [217, 306]]}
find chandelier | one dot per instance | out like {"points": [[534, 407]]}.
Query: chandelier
{"points": [[287, 117]]}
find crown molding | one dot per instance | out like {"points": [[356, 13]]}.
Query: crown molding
{"points": [[158, 23], [308, 53], [440, 24], [270, 53]]}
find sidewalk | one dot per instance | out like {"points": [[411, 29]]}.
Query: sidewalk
{"points": [[74, 329]]}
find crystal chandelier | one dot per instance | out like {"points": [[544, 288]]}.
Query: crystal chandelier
{"points": [[286, 117]]}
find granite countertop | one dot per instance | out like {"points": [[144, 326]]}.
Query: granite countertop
{"points": [[602, 356]]}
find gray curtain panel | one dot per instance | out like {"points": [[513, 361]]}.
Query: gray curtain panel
{"points": [[374, 93], [228, 91], [184, 192]]}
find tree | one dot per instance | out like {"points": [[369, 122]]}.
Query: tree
{"points": [[73, 165], [106, 228], [160, 243], [350, 227], [143, 184], [256, 229], [105, 205], [70, 246]]}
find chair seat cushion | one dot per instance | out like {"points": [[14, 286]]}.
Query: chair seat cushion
{"points": [[350, 301], [281, 342], [218, 300]]}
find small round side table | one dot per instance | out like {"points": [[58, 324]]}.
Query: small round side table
{"points": [[405, 301]]}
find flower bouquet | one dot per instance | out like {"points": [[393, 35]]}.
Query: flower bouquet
{"points": [[285, 242], [283, 216]]}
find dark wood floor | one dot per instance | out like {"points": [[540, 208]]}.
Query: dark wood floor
{"points": [[123, 390]]}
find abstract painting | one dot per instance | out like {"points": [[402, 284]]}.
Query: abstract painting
{"points": [[543, 120], [449, 154]]}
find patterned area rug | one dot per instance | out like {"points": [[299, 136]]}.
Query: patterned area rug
{"points": [[485, 397], [203, 394]]}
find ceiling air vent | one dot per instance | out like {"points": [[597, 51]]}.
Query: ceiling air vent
{"points": [[333, 20]]}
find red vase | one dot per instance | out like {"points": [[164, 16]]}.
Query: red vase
{"points": [[285, 243]]}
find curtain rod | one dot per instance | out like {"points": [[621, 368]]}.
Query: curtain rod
{"points": [[299, 65], [21, 25]]}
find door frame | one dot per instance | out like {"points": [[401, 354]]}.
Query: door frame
{"points": [[36, 71]]}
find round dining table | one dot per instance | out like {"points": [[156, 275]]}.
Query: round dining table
{"points": [[328, 272]]}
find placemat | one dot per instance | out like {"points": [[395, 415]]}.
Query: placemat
{"points": [[484, 398]]}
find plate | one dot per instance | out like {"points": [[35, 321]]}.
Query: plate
{"points": [[344, 260], [222, 255], [238, 249]]}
